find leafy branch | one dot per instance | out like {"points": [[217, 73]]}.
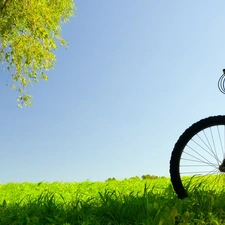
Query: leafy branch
{"points": [[29, 34]]}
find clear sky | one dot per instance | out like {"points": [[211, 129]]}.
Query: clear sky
{"points": [[135, 76]]}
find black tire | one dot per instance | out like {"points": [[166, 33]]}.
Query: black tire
{"points": [[200, 146]]}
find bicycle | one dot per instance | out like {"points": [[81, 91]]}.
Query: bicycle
{"points": [[198, 157]]}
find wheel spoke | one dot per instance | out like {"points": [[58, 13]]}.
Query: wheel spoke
{"points": [[214, 145], [199, 173], [207, 161], [199, 155], [198, 161], [220, 139], [208, 146]]}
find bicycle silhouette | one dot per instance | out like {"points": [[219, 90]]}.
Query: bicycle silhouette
{"points": [[198, 157]]}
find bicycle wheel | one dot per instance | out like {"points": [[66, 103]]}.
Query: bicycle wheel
{"points": [[198, 157]]}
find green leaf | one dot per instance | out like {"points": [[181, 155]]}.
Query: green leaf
{"points": [[29, 34], [4, 204]]}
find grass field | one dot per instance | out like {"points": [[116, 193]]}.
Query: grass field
{"points": [[131, 201]]}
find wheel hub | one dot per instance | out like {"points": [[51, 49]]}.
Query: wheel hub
{"points": [[222, 167]]}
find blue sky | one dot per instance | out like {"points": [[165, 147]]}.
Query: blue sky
{"points": [[135, 76]]}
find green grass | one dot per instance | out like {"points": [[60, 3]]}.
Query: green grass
{"points": [[130, 201]]}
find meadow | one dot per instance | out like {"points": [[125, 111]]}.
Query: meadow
{"points": [[130, 201]]}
